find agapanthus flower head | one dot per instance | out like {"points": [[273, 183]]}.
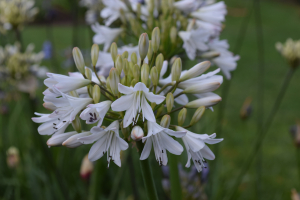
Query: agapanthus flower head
{"points": [[134, 99]]}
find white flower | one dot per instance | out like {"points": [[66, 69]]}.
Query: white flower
{"points": [[161, 139], [58, 138], [227, 63], [214, 13], [188, 6], [105, 35], [63, 83], [104, 63], [135, 101], [112, 10], [194, 40], [196, 147], [95, 112], [73, 142], [107, 140]]}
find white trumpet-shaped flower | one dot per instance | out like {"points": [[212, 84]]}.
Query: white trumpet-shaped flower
{"points": [[194, 40], [134, 101], [73, 142], [106, 140], [161, 139], [105, 35], [196, 147], [63, 84], [112, 10], [188, 6], [95, 112]]}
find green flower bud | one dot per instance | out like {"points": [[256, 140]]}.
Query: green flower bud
{"points": [[126, 68], [176, 69], [136, 72], [210, 54], [123, 81], [114, 51], [94, 54], [150, 51], [159, 62], [96, 94], [119, 64], [130, 68], [173, 35], [154, 76], [169, 101], [88, 73], [78, 59], [108, 84], [155, 40], [145, 73], [125, 54], [197, 115], [143, 45], [77, 124], [195, 71], [133, 82], [90, 90], [133, 58], [137, 133], [49, 106], [182, 116], [114, 80], [160, 110], [73, 93], [165, 121]]}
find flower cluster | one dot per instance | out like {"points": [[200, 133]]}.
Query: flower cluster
{"points": [[14, 13], [20, 69], [192, 26], [93, 9], [290, 50], [136, 99]]}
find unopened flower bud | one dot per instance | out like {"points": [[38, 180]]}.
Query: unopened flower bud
{"points": [[205, 101], [130, 68], [88, 73], [159, 62], [78, 59], [246, 108], [90, 91], [195, 71], [73, 142], [155, 40], [114, 51], [114, 80], [136, 72], [182, 116], [94, 54], [160, 110], [176, 69], [145, 73], [154, 76], [77, 124], [150, 51], [210, 54], [119, 64], [143, 45], [133, 58], [197, 115], [49, 106], [58, 139], [125, 54], [165, 121], [133, 82], [173, 34], [169, 101], [137, 133], [96, 94], [13, 158], [73, 93], [202, 88], [86, 168]]}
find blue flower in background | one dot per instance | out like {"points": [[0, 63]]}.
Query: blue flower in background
{"points": [[47, 49]]}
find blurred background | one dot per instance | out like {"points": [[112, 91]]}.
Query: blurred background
{"points": [[25, 173]]}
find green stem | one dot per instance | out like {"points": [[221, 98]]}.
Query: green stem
{"points": [[147, 175], [164, 87], [176, 193], [171, 111], [262, 134], [298, 160]]}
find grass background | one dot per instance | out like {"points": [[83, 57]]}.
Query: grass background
{"points": [[279, 166]]}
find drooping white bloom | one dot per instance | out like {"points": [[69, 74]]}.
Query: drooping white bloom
{"points": [[112, 11], [196, 147], [161, 139], [63, 83], [188, 6], [134, 101], [58, 138], [194, 40], [106, 140], [105, 35], [95, 112], [73, 142], [214, 13]]}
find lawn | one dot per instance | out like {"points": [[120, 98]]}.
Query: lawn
{"points": [[278, 162]]}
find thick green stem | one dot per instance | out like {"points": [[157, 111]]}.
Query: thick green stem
{"points": [[176, 193], [147, 176]]}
